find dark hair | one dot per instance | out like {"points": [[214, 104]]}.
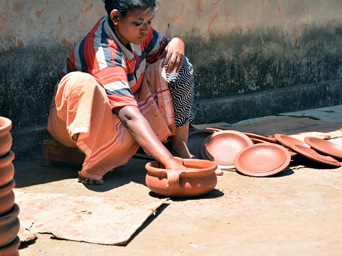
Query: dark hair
{"points": [[126, 6]]}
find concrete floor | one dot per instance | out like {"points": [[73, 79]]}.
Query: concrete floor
{"points": [[297, 212]]}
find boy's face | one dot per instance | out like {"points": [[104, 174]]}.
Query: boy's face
{"points": [[134, 27]]}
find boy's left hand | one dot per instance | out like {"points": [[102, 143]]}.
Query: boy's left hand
{"points": [[175, 54]]}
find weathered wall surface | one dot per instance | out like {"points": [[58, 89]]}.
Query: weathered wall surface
{"points": [[237, 47]]}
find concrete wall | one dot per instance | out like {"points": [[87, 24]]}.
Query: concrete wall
{"points": [[239, 49]]}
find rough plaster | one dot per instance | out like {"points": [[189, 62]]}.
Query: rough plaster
{"points": [[236, 47]]}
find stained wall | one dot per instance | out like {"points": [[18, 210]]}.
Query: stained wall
{"points": [[237, 47]]}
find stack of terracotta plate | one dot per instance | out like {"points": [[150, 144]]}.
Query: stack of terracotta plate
{"points": [[9, 222], [257, 155]]}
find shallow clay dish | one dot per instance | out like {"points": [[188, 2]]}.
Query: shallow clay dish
{"points": [[195, 140], [324, 146], [222, 147], [260, 137], [261, 160], [199, 179], [311, 154], [287, 141], [11, 249]]}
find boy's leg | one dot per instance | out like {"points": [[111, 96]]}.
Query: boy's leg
{"points": [[181, 87]]}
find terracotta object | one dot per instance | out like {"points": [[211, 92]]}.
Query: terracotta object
{"points": [[257, 141], [287, 141], [11, 249], [6, 197], [260, 137], [195, 140], [261, 160], [311, 154], [222, 147], [9, 226], [6, 168], [199, 179], [5, 135], [324, 146]]}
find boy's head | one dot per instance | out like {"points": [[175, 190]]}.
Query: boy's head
{"points": [[126, 6]]}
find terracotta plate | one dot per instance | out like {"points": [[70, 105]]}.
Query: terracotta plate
{"points": [[260, 137], [324, 146], [311, 154], [287, 141], [195, 140], [263, 159], [222, 147]]}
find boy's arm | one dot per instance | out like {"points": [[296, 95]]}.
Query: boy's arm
{"points": [[142, 132]]}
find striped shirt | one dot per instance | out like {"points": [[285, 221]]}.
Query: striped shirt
{"points": [[119, 69]]}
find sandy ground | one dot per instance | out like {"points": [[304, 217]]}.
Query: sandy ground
{"points": [[297, 212]]}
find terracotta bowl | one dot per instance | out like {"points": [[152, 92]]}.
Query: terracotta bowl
{"points": [[263, 159], [313, 155], [199, 179], [324, 146], [7, 197], [6, 168], [9, 226], [195, 140], [11, 249], [5, 135], [222, 147]]}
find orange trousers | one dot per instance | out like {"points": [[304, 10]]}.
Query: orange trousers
{"points": [[81, 106]]}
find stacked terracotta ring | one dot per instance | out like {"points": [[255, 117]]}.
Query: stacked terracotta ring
{"points": [[9, 222]]}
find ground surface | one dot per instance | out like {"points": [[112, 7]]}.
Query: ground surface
{"points": [[297, 212]]}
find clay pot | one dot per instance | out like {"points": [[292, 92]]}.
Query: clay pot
{"points": [[9, 226], [5, 135], [199, 179], [6, 168], [7, 197], [11, 249]]}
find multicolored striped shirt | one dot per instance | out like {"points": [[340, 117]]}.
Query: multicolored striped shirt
{"points": [[119, 69]]}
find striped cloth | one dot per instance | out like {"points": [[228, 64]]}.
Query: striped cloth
{"points": [[118, 69]]}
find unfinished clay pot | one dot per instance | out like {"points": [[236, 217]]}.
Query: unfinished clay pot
{"points": [[11, 249], [311, 154], [199, 179], [195, 140], [287, 141], [9, 226], [263, 159], [324, 146], [222, 147], [6, 197], [6, 168], [5, 135]]}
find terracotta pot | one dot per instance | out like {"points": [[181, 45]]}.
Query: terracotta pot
{"points": [[7, 197], [5, 135], [9, 226], [198, 180], [6, 168], [195, 140], [324, 146], [11, 249]]}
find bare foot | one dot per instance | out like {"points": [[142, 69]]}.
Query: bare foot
{"points": [[89, 181]]}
